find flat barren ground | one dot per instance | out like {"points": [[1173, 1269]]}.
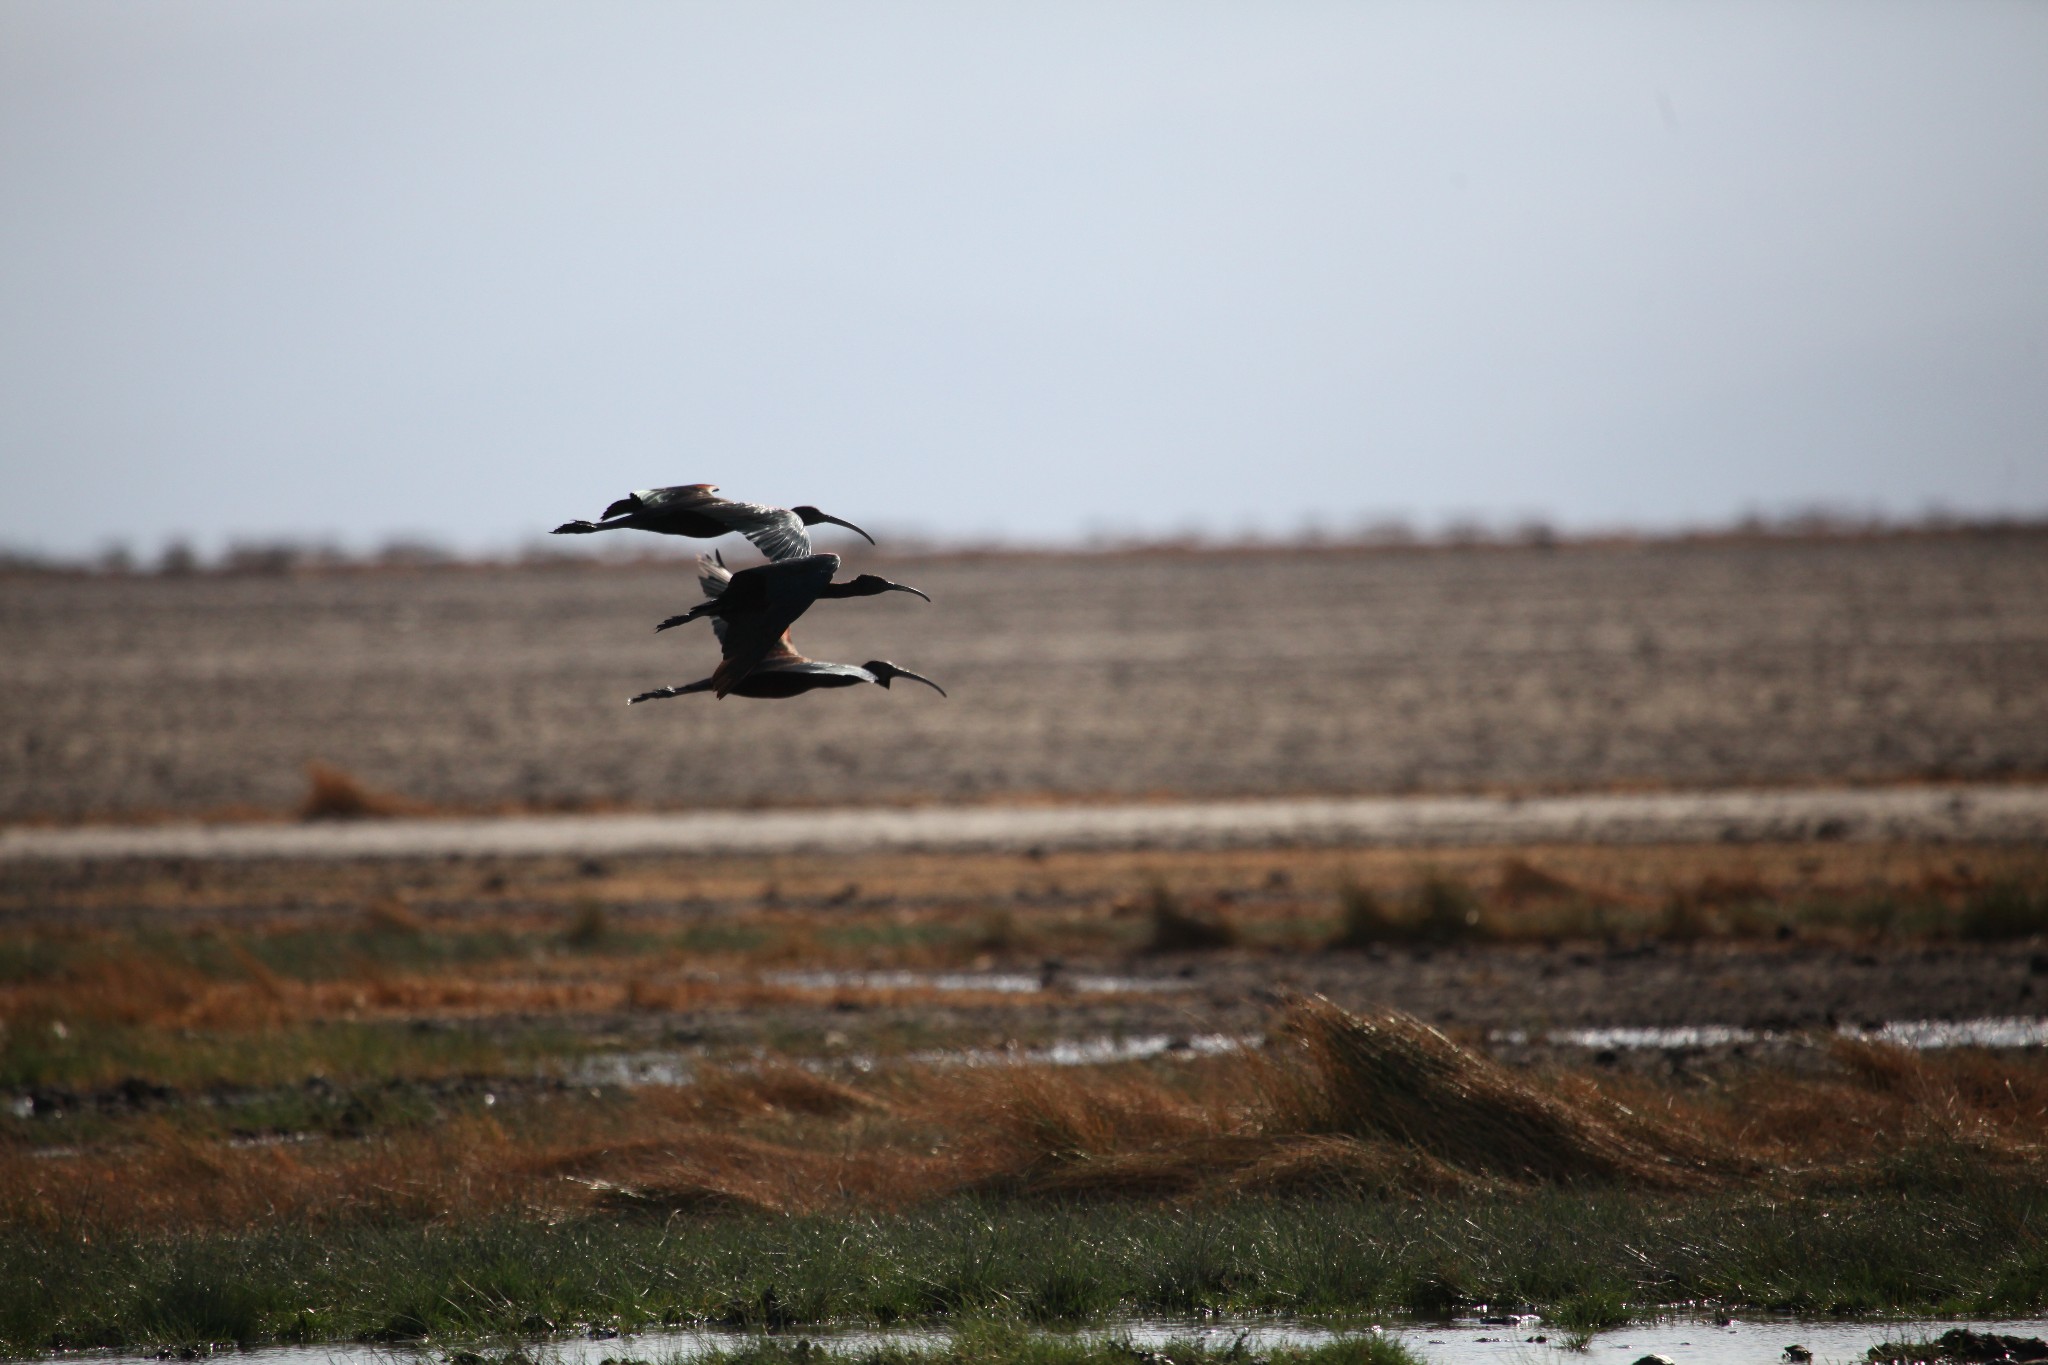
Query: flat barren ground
{"points": [[1680, 664], [783, 1085], [883, 953]]}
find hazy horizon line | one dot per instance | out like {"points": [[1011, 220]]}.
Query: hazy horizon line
{"points": [[295, 554]]}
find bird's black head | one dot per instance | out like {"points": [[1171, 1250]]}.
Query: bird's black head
{"points": [[884, 671], [811, 516], [873, 584]]}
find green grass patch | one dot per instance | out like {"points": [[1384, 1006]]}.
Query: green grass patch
{"points": [[37, 1054], [999, 1344], [1587, 1259], [723, 937]]}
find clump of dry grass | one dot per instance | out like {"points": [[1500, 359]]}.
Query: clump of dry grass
{"points": [[133, 989], [1737, 905], [1178, 929], [1374, 1103], [1323, 1163], [1391, 1078], [2003, 911], [1380, 1103], [780, 1089], [334, 794], [1884, 1109], [390, 915], [722, 1171], [1441, 912], [589, 928], [1366, 921], [1521, 883]]}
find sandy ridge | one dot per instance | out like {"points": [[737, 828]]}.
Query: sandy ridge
{"points": [[1983, 812]]}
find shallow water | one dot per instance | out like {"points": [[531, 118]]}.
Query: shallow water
{"points": [[1919, 1034], [675, 1067], [1003, 983], [1468, 1341], [656, 1067], [1096, 1051]]}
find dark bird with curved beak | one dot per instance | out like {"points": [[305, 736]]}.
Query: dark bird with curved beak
{"points": [[751, 612], [696, 510], [786, 673], [761, 591]]}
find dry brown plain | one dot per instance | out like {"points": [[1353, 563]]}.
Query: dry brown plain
{"points": [[234, 1047], [1445, 669]]}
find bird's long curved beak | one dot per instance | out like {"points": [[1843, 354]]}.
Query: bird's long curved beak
{"points": [[841, 521], [919, 677], [905, 587]]}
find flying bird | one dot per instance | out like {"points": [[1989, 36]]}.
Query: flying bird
{"points": [[695, 509], [786, 673], [752, 610], [753, 631], [760, 590]]}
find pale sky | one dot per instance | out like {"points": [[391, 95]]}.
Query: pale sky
{"points": [[1034, 271]]}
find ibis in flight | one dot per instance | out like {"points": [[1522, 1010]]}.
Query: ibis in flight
{"points": [[695, 509], [769, 589], [786, 673], [751, 612]]}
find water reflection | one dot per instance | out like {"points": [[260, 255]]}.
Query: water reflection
{"points": [[1468, 1341], [1919, 1034]]}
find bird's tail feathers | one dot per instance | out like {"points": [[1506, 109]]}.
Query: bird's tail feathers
{"points": [[691, 615]]}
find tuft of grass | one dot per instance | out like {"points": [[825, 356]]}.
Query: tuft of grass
{"points": [[998, 934], [1391, 1078], [1177, 929], [390, 915], [1585, 1315], [1442, 912], [1448, 912], [1521, 882], [2004, 911], [1365, 922], [590, 928], [334, 794]]}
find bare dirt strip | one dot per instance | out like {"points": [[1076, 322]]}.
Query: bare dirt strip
{"points": [[1980, 813]]}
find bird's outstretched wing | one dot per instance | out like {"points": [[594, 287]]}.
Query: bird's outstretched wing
{"points": [[712, 577], [681, 497], [776, 531], [760, 605]]}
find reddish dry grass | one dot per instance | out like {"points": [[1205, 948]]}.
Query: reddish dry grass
{"points": [[1338, 1102], [1882, 1101], [147, 991], [1377, 1104], [334, 794]]}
